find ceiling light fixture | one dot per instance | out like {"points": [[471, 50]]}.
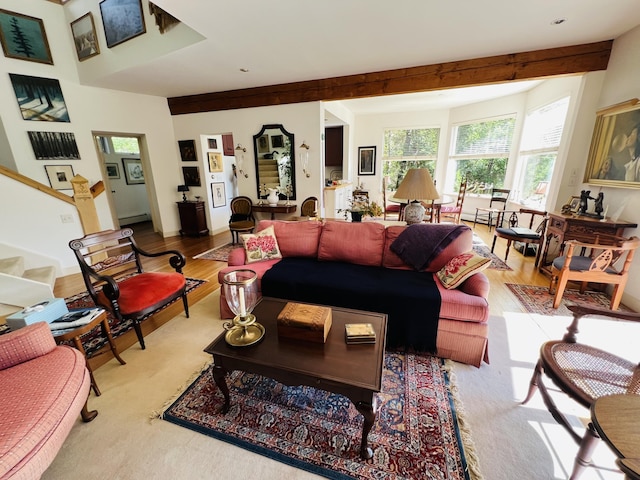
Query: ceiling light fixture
{"points": [[559, 21], [244, 70]]}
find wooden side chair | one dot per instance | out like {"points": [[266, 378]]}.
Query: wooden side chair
{"points": [[514, 233], [309, 207], [111, 266], [452, 212], [242, 219], [486, 215], [392, 209], [584, 373], [607, 261]]}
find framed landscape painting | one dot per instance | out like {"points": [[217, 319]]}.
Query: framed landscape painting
{"points": [[24, 37], [112, 170], [39, 98], [122, 20], [614, 156], [84, 37], [54, 145]]}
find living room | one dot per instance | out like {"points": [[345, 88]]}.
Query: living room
{"points": [[95, 110]]}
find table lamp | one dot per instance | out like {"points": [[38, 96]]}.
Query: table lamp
{"points": [[416, 185], [183, 189]]}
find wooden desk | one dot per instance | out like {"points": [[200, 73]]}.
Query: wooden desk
{"points": [[584, 229], [616, 418], [275, 209]]}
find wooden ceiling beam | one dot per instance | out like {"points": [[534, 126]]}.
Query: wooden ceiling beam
{"points": [[480, 71]]}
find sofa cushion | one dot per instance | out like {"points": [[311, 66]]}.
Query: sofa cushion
{"points": [[261, 246], [295, 239], [419, 244], [25, 344], [358, 243], [461, 267]]}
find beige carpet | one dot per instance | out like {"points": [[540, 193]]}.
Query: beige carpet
{"points": [[512, 441]]}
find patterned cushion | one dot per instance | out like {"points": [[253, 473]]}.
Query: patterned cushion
{"points": [[25, 344], [261, 246], [461, 267]]}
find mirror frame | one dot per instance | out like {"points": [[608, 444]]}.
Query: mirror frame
{"points": [[290, 136]]}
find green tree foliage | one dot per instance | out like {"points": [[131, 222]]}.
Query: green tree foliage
{"points": [[406, 149], [125, 145]]}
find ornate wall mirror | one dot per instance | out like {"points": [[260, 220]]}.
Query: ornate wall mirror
{"points": [[274, 151]]}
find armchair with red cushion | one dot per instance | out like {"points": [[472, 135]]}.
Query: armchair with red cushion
{"points": [[111, 265]]}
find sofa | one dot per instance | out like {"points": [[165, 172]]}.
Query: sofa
{"points": [[43, 388], [355, 265]]}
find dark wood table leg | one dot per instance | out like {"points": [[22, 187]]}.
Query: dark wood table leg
{"points": [[219, 374], [368, 411]]}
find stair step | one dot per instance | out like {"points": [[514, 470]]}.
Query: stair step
{"points": [[12, 266], [41, 274]]}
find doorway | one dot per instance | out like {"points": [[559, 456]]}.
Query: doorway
{"points": [[123, 166]]}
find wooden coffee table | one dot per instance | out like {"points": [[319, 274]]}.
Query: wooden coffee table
{"points": [[354, 371]]}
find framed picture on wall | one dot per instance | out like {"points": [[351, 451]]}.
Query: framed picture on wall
{"points": [[53, 145], [122, 20], [133, 173], [218, 194], [112, 170], [215, 162], [187, 150], [29, 92], [24, 37], [277, 141], [213, 143], [263, 144], [366, 160], [191, 176], [614, 156], [60, 176], [84, 37]]}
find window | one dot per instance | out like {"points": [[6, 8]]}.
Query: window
{"points": [[127, 145], [408, 148], [480, 154], [541, 136]]}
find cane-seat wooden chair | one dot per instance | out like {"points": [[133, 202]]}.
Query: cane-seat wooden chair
{"points": [[514, 233], [309, 207], [584, 373], [487, 214], [242, 219], [606, 261], [112, 269], [454, 212]]}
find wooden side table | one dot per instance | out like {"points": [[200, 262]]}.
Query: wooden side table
{"points": [[616, 419], [75, 335]]}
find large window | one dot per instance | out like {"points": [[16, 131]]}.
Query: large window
{"points": [[408, 148], [480, 154], [541, 136]]}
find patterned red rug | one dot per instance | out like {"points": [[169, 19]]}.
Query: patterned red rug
{"points": [[536, 299], [219, 254], [417, 434], [93, 340]]}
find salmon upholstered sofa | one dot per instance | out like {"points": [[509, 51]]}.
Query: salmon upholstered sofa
{"points": [[355, 265], [43, 388]]}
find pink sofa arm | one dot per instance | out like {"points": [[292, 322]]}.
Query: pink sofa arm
{"points": [[236, 257], [477, 285], [25, 344]]}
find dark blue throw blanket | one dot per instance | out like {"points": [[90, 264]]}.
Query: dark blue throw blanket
{"points": [[419, 244], [410, 299]]}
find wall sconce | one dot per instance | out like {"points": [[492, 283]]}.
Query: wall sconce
{"points": [[240, 161], [304, 158]]}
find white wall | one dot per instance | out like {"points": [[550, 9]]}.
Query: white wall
{"points": [[302, 120]]}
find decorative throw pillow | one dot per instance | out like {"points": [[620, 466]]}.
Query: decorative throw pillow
{"points": [[459, 268], [261, 246]]}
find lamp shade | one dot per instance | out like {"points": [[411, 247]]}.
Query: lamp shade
{"points": [[183, 188], [417, 184]]}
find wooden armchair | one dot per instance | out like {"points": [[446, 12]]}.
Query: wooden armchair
{"points": [[514, 233], [111, 266], [309, 207], [584, 373], [594, 262]]}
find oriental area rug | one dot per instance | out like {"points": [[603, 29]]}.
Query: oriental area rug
{"points": [[537, 299], [219, 254], [93, 340], [419, 432]]}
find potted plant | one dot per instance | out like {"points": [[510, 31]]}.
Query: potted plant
{"points": [[361, 207]]}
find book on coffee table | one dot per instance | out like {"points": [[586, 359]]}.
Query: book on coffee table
{"points": [[359, 333]]}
